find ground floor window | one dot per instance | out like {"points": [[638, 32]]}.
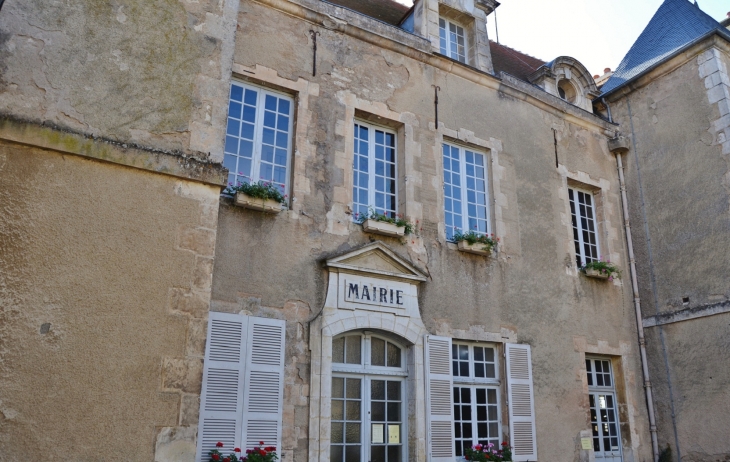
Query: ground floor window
{"points": [[476, 417], [603, 409]]}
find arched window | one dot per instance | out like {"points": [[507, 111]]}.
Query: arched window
{"points": [[566, 90], [369, 405]]}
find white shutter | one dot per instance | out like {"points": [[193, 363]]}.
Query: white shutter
{"points": [[521, 402], [439, 399], [264, 383], [221, 400]]}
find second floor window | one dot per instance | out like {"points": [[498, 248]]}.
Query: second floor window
{"points": [[583, 215], [465, 190], [258, 136], [452, 40], [374, 171]]}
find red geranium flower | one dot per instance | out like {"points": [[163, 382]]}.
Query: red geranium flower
{"points": [[215, 457], [237, 450], [261, 443], [227, 459], [219, 444], [504, 443]]}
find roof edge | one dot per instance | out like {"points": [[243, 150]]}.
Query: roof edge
{"points": [[621, 90]]}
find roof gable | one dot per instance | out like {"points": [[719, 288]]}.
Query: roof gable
{"points": [[675, 24]]}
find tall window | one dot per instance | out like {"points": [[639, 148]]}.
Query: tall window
{"points": [[374, 178], [476, 396], [368, 400], [583, 214], [452, 41], [258, 136], [465, 190], [604, 415]]}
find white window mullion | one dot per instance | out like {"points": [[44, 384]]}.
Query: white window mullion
{"points": [[371, 167], [258, 137]]}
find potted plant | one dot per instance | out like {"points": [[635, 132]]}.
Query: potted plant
{"points": [[264, 196], [476, 243], [259, 454], [488, 452], [379, 223], [601, 270]]}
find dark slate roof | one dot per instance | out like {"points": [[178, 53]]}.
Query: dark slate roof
{"points": [[512, 61], [675, 24], [388, 11]]}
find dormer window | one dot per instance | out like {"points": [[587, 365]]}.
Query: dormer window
{"points": [[452, 40], [566, 90]]}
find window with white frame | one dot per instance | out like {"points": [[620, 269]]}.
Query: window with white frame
{"points": [[374, 171], [465, 190], [452, 40], [369, 402], [603, 410], [583, 216], [258, 136], [476, 396]]}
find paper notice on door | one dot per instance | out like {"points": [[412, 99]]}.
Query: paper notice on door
{"points": [[378, 434], [393, 434], [586, 443]]}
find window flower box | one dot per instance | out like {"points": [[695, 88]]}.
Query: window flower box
{"points": [[380, 223], [257, 203], [477, 248], [476, 243], [594, 273], [601, 270], [384, 228]]}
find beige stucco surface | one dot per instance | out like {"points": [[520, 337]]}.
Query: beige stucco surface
{"points": [[531, 292], [97, 356], [132, 71], [677, 178]]}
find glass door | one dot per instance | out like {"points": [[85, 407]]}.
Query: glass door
{"points": [[386, 420], [604, 415]]}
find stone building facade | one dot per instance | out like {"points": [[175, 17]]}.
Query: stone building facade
{"points": [[147, 316]]}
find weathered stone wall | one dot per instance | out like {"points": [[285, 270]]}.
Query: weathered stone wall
{"points": [[677, 178], [106, 268], [150, 73], [530, 293]]}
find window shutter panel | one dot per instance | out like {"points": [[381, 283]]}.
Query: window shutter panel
{"points": [[221, 401], [439, 399], [521, 402], [264, 383]]}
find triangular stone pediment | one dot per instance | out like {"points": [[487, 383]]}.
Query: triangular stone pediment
{"points": [[376, 259]]}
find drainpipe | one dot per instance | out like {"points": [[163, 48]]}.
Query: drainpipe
{"points": [[618, 146], [608, 108]]}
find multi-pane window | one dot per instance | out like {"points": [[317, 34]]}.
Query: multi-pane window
{"points": [[603, 409], [476, 396], [452, 41], [374, 170], [583, 215], [465, 190], [258, 136], [368, 400]]}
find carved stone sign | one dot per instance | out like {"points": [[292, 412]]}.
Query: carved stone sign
{"points": [[374, 293]]}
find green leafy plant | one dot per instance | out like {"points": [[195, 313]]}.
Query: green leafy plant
{"points": [[260, 190], [488, 452], [666, 455], [472, 237], [397, 220], [603, 267], [259, 454]]}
